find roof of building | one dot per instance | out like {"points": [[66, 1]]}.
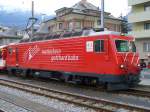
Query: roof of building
{"points": [[82, 8], [9, 33], [4, 27], [83, 4]]}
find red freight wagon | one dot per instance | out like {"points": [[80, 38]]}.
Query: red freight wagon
{"points": [[91, 57]]}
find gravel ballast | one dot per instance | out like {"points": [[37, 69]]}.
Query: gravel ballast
{"points": [[44, 101], [9, 107]]}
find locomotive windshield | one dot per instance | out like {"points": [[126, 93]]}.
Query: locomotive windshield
{"points": [[125, 46]]}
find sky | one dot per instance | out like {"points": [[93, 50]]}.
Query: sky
{"points": [[48, 7]]}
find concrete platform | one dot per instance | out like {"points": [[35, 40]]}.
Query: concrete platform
{"points": [[145, 77], [145, 82], [32, 106], [145, 73]]}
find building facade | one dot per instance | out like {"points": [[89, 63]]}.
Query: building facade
{"points": [[140, 19], [8, 35], [82, 15]]}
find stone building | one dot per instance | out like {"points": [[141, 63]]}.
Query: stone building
{"points": [[82, 15], [140, 19]]}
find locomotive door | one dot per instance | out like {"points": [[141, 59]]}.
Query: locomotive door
{"points": [[17, 57], [12, 58], [101, 55]]}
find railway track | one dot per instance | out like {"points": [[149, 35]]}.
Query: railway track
{"points": [[80, 100], [141, 91]]}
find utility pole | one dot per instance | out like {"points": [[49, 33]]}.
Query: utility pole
{"points": [[102, 14], [30, 24], [32, 20]]}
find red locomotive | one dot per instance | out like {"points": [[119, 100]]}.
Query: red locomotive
{"points": [[83, 57]]}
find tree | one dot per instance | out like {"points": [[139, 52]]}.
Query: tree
{"points": [[124, 25]]}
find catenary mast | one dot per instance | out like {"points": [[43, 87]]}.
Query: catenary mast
{"points": [[102, 14], [32, 19]]}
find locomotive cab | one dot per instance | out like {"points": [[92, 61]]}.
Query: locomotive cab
{"points": [[127, 59]]}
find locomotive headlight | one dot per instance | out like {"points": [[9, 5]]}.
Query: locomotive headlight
{"points": [[139, 65], [122, 66]]}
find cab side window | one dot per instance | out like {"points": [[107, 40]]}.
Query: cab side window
{"points": [[10, 50], [99, 46]]}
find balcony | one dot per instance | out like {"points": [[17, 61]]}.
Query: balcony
{"points": [[140, 34], [136, 2], [139, 17]]}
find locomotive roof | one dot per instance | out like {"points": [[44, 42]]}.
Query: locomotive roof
{"points": [[105, 33], [2, 46], [83, 33]]}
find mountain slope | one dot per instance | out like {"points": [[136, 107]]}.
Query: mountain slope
{"points": [[17, 18]]}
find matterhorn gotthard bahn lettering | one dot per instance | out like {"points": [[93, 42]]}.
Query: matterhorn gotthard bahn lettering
{"points": [[55, 54]]}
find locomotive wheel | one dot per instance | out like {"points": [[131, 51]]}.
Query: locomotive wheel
{"points": [[29, 74], [11, 72], [23, 73], [35, 74]]}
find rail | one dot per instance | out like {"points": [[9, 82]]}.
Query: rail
{"points": [[80, 100]]}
